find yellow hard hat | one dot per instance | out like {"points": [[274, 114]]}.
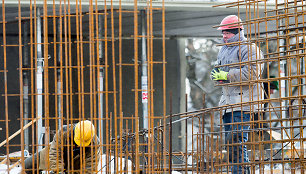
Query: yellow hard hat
{"points": [[84, 131]]}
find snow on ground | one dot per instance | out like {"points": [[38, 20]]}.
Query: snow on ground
{"points": [[111, 166], [15, 170], [277, 169], [102, 165]]}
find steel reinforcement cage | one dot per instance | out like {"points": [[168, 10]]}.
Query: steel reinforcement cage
{"points": [[72, 67]]}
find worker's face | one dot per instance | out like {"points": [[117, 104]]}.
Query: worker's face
{"points": [[226, 35]]}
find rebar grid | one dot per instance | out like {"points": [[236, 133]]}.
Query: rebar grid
{"points": [[278, 124], [83, 76], [75, 63]]}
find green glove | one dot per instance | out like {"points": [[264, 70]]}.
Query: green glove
{"points": [[219, 75]]}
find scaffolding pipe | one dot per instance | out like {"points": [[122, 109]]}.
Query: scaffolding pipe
{"points": [[59, 82], [39, 83], [283, 73], [144, 80], [25, 85], [302, 72], [144, 77], [101, 78]]}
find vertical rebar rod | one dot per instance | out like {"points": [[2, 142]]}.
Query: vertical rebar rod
{"points": [[164, 71], [57, 55], [108, 122], [67, 72], [21, 83], [202, 150], [148, 49], [33, 54], [114, 84], [69, 80], [136, 82], [186, 135], [5, 81], [46, 82], [82, 72], [56, 71], [92, 87], [198, 147], [212, 141], [192, 142], [60, 72], [78, 61], [121, 91]]}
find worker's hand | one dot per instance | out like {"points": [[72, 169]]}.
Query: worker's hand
{"points": [[218, 75]]}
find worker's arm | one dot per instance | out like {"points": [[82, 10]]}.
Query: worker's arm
{"points": [[30, 164], [93, 157], [55, 152], [248, 70]]}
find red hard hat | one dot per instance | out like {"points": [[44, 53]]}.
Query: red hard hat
{"points": [[228, 20]]}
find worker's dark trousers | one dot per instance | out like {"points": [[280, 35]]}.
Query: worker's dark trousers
{"points": [[30, 164], [235, 135]]}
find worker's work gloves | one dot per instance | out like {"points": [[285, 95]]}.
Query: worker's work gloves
{"points": [[218, 74]]}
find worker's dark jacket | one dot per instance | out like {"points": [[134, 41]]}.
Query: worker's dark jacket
{"points": [[245, 90], [65, 155]]}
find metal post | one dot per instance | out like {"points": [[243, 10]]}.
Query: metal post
{"points": [[170, 134], [283, 83], [144, 77], [39, 83], [25, 85], [302, 72], [144, 80], [101, 78], [59, 82]]}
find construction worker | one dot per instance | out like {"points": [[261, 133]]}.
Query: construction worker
{"points": [[73, 150], [236, 51]]}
